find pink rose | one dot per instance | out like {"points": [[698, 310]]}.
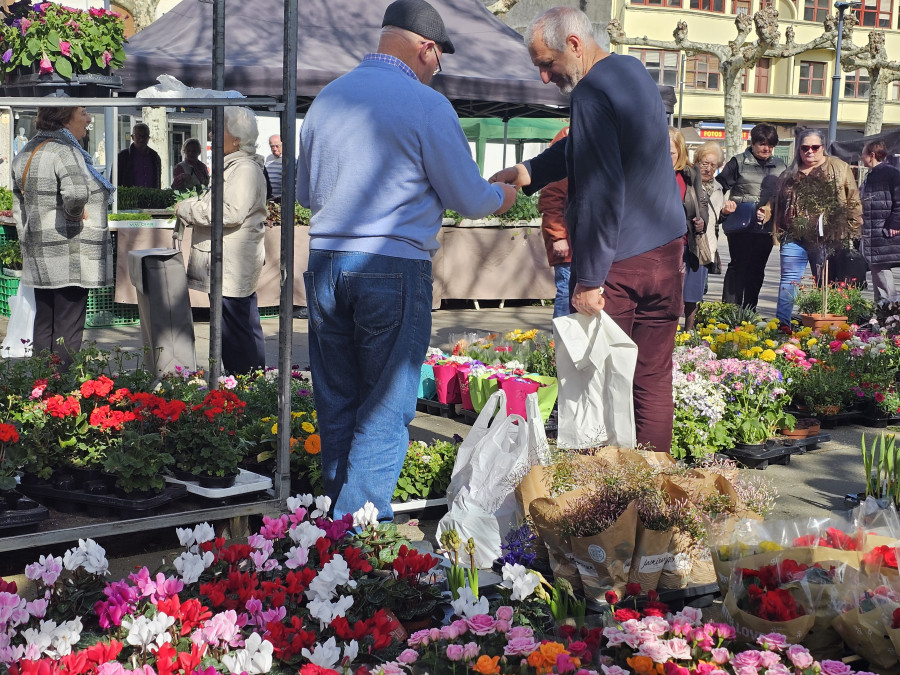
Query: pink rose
{"points": [[720, 655], [724, 631], [564, 663], [745, 670], [481, 624], [774, 641], [46, 66], [502, 626], [434, 634], [454, 652], [419, 638], [800, 656], [408, 656], [768, 659], [107, 57], [522, 646], [655, 625], [470, 651], [835, 668], [657, 651], [65, 48], [504, 613], [679, 648], [460, 626], [449, 633], [519, 632], [778, 669], [749, 658]]}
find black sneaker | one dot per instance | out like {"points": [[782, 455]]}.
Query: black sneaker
{"points": [[301, 313]]}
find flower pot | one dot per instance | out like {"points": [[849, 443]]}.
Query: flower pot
{"points": [[183, 475], [480, 390], [750, 447], [517, 391], [822, 322], [462, 376], [547, 394], [7, 272], [797, 432], [426, 382], [9, 499], [827, 410], [446, 384], [216, 482], [33, 84]]}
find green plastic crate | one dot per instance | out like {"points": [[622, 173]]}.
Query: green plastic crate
{"points": [[269, 312], [8, 233], [8, 288]]}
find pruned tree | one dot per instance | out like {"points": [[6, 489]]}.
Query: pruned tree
{"points": [[501, 7], [736, 57], [882, 71]]}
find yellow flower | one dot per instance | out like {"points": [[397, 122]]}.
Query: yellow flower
{"points": [[307, 427], [768, 356], [771, 343], [295, 415], [811, 342], [722, 326], [708, 338], [768, 545], [275, 428], [266, 419], [720, 337], [755, 349]]}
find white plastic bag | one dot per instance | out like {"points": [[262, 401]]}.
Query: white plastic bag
{"points": [[490, 462], [595, 363], [20, 329]]}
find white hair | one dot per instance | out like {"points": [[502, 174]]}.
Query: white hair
{"points": [[241, 123], [558, 23]]}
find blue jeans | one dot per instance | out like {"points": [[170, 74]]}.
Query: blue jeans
{"points": [[561, 278], [369, 329], [794, 257]]}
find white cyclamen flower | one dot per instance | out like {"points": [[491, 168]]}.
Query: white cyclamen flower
{"points": [[47, 569], [253, 659], [95, 561], [191, 565], [467, 606], [65, 636], [298, 501], [350, 652], [148, 633], [204, 532], [366, 516], [306, 534], [186, 538], [297, 556], [334, 573], [323, 504], [324, 655]]}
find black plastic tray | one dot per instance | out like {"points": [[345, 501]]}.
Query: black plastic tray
{"points": [[27, 512], [800, 446], [448, 410], [776, 454], [104, 505], [877, 422]]}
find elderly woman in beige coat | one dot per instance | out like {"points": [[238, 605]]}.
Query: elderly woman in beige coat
{"points": [[243, 252]]}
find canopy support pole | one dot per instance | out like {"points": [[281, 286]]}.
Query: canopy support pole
{"points": [[505, 137], [288, 194], [218, 170]]}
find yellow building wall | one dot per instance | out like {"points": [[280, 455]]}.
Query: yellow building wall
{"points": [[783, 104]]}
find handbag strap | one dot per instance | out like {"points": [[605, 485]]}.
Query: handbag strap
{"points": [[28, 163]]}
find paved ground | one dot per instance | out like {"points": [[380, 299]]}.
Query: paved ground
{"points": [[811, 485]]}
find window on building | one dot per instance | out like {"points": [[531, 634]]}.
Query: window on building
{"points": [[702, 72], [896, 89], [657, 3], [761, 72], [875, 13], [709, 5], [856, 85], [740, 7], [812, 78], [662, 65], [816, 10]]}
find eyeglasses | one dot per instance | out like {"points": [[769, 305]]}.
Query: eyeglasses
{"points": [[707, 165], [810, 148], [438, 58]]}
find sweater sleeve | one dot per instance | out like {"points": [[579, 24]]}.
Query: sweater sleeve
{"points": [[600, 196], [74, 184], [451, 171], [547, 167], [241, 186]]}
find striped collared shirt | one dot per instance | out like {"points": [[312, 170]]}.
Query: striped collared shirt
{"points": [[393, 60]]}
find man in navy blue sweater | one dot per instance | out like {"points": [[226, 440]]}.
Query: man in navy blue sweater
{"points": [[624, 210]]}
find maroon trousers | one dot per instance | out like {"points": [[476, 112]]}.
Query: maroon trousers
{"points": [[643, 296]]}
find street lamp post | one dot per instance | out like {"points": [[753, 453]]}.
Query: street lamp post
{"points": [[841, 6]]}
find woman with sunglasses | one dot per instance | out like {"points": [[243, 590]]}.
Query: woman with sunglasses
{"points": [[810, 161]]}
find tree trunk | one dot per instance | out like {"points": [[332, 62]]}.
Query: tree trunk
{"points": [[156, 119], [734, 114], [144, 13], [502, 6], [878, 88]]}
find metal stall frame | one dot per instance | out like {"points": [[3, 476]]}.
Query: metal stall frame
{"points": [[288, 110]]}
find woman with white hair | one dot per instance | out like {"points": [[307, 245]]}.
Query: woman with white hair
{"points": [[243, 254]]}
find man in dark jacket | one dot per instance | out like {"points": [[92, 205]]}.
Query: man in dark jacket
{"points": [[880, 194], [139, 164]]}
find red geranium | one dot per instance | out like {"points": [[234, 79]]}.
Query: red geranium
{"points": [[62, 406], [99, 387], [8, 434]]}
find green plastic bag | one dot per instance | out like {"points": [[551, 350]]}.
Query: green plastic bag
{"points": [[546, 394], [480, 389]]}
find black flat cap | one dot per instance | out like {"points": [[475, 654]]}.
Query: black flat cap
{"points": [[420, 18]]}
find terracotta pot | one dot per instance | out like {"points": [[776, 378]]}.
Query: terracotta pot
{"points": [[821, 322], [827, 410], [795, 433]]}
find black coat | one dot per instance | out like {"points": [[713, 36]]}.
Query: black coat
{"points": [[880, 194]]}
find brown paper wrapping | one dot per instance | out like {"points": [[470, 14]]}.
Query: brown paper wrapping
{"points": [[604, 559], [867, 635], [676, 571], [749, 627], [702, 570], [546, 514], [533, 486], [651, 551]]}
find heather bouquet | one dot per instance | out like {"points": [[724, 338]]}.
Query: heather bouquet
{"points": [[54, 38]]}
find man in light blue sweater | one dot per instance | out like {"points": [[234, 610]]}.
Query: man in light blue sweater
{"points": [[381, 156]]}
